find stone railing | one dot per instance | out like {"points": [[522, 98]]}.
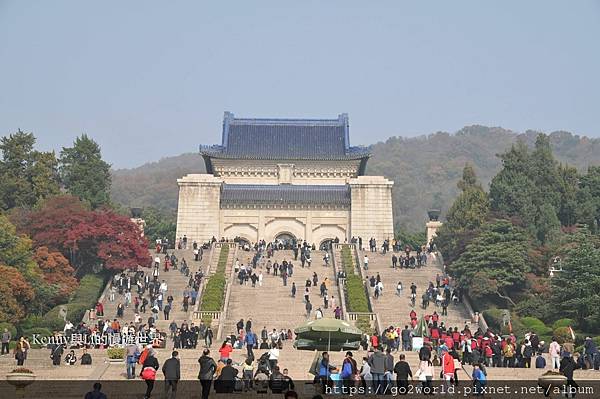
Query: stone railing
{"points": [[203, 314], [230, 280]]}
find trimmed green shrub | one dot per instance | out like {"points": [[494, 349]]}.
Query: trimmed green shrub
{"points": [[364, 324], [42, 332], [562, 335], [11, 329], [563, 323], [536, 325], [213, 294], [116, 353]]}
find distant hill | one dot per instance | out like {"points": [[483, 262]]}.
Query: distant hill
{"points": [[424, 169]]}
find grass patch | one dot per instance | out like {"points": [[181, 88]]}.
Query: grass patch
{"points": [[355, 289], [213, 295]]}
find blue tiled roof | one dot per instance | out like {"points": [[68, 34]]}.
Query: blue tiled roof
{"points": [[239, 194], [286, 139]]}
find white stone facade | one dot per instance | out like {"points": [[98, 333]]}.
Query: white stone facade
{"points": [[309, 162]]}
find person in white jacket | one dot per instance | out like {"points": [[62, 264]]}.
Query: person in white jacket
{"points": [[425, 373], [365, 373], [554, 351]]}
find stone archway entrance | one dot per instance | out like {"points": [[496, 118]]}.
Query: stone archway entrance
{"points": [[285, 240], [325, 245]]}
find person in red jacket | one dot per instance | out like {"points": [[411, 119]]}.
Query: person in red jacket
{"points": [[447, 368]]}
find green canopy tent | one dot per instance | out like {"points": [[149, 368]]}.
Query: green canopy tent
{"points": [[421, 330], [327, 334]]}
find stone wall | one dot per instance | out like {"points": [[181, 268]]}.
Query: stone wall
{"points": [[371, 209], [312, 224], [198, 210]]}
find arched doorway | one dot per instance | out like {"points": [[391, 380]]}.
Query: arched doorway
{"points": [[325, 245], [285, 240]]}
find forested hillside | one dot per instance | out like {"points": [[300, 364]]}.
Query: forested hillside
{"points": [[425, 169]]}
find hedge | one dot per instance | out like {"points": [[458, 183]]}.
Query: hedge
{"points": [[213, 295], [536, 325], [42, 332], [563, 323], [355, 289], [562, 335]]}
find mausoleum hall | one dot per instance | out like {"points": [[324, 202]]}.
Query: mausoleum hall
{"points": [[282, 179]]}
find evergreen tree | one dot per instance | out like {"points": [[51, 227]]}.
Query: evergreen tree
{"points": [[467, 214], [575, 290], [84, 173], [26, 175], [495, 262]]}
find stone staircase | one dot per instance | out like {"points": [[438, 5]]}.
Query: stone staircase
{"points": [[176, 282], [393, 309], [272, 305]]}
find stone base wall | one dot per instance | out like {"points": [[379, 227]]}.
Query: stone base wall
{"points": [[311, 224], [200, 216], [371, 209], [198, 212]]}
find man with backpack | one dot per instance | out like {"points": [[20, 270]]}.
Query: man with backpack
{"points": [[349, 371]]}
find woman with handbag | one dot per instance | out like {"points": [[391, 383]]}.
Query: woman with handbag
{"points": [[148, 374]]}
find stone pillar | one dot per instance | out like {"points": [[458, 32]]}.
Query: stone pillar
{"points": [[432, 227], [198, 211], [371, 208]]}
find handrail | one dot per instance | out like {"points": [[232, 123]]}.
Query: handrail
{"points": [[227, 294]]}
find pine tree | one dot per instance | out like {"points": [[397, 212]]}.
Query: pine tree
{"points": [[84, 173]]}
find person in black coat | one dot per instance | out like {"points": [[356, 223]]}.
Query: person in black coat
{"points": [[567, 367], [403, 371], [172, 372], [207, 371], [226, 381]]}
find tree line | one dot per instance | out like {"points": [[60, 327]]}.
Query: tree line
{"points": [[539, 214]]}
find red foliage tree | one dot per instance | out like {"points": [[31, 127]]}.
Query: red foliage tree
{"points": [[56, 270], [89, 239], [15, 294]]}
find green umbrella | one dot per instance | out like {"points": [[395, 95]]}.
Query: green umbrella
{"points": [[317, 333], [421, 330]]}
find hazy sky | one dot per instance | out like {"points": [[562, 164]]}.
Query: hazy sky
{"points": [[147, 79]]}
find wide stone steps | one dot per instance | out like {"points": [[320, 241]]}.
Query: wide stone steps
{"points": [[393, 309], [271, 304]]}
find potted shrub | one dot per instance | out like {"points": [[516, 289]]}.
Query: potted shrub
{"points": [[116, 355], [20, 378]]}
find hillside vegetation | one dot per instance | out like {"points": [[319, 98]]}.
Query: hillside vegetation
{"points": [[424, 169]]}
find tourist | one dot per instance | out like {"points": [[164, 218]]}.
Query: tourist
{"points": [[308, 307], [208, 367], [273, 356], [377, 361], [366, 262], [71, 359], [86, 358], [403, 372], [288, 383], [479, 379], [172, 371], [21, 349], [56, 354], [6, 336], [225, 351], [365, 374], [349, 371], [96, 392], [149, 369], [425, 373], [208, 337], [567, 367], [248, 373], [132, 356]]}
